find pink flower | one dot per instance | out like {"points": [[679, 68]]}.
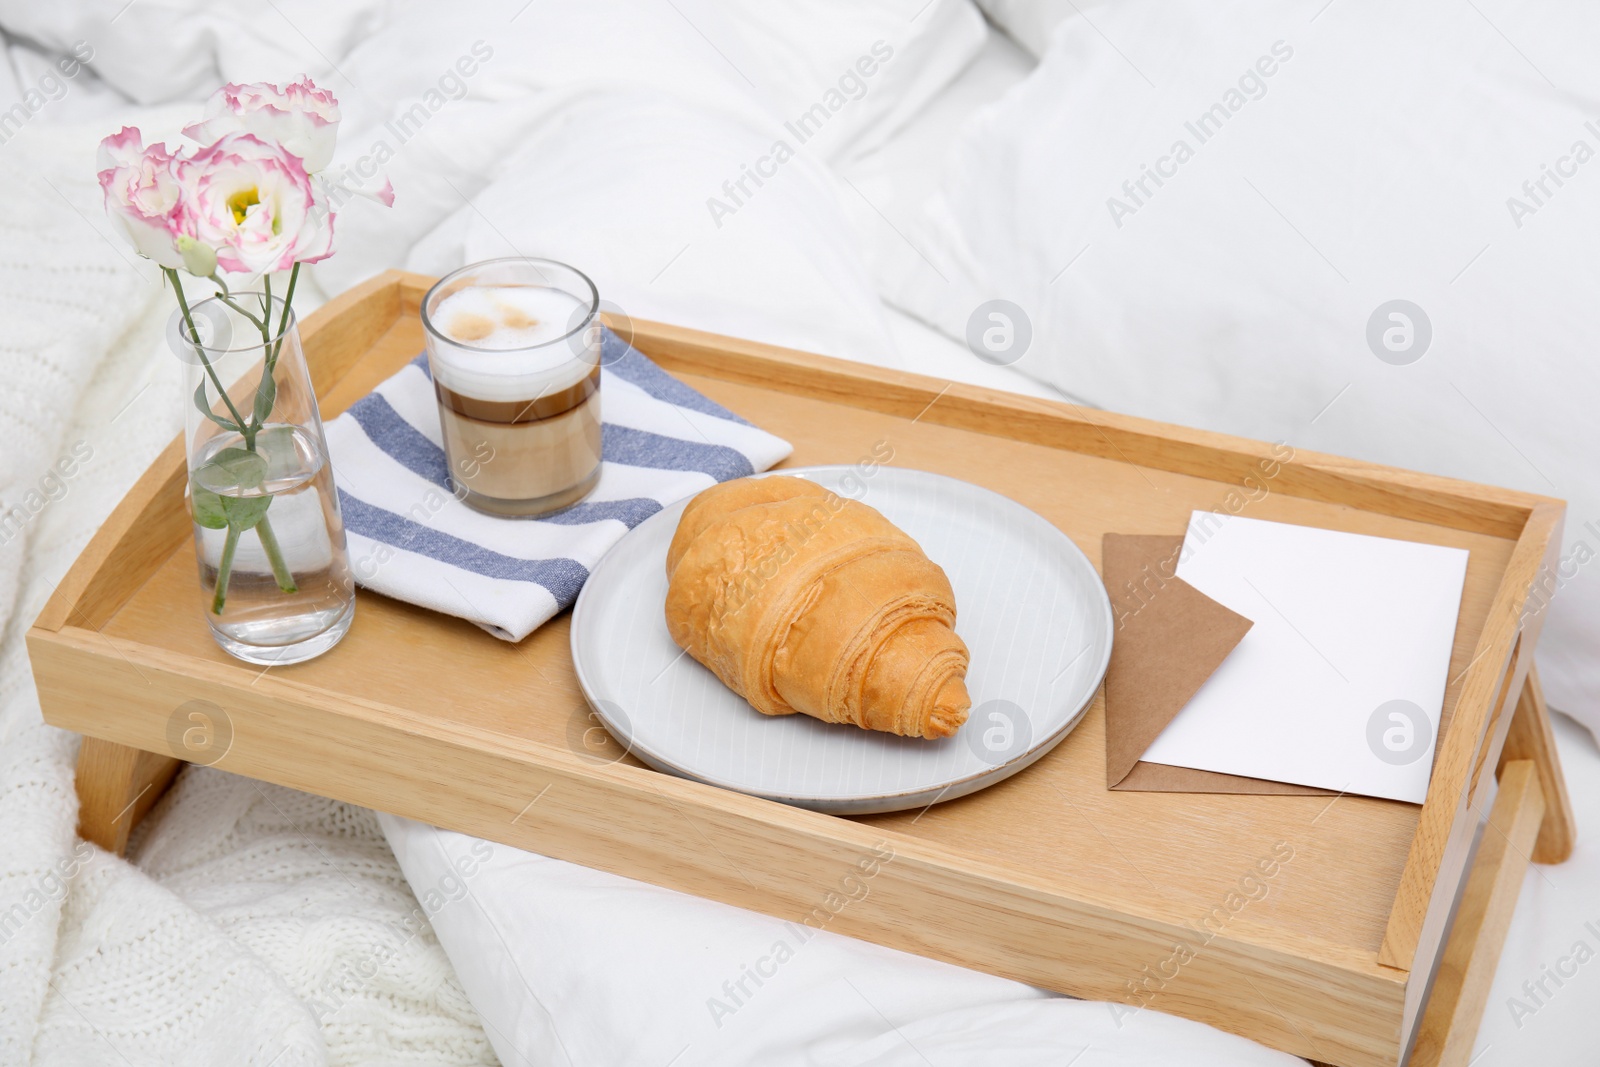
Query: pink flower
{"points": [[299, 116], [255, 204], [143, 197]]}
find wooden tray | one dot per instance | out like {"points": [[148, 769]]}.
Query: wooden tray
{"points": [[1048, 877]]}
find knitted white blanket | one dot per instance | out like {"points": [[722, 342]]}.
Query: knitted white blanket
{"points": [[257, 925]]}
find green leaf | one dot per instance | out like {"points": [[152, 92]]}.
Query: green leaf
{"points": [[233, 468], [245, 511], [207, 508], [266, 396], [277, 444], [205, 409]]}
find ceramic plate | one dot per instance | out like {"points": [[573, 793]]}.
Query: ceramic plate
{"points": [[1029, 605]]}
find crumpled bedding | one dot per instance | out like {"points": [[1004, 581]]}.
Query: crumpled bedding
{"points": [[259, 925]]}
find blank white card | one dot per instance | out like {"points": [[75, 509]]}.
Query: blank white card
{"points": [[1340, 682]]}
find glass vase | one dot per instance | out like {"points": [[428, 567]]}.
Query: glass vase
{"points": [[275, 582]]}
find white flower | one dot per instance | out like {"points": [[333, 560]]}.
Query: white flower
{"points": [[142, 195], [255, 204], [301, 117]]}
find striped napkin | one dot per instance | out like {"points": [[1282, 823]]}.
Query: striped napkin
{"points": [[411, 539]]}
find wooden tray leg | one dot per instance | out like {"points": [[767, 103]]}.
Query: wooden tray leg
{"points": [[1461, 988], [116, 786], [1530, 737]]}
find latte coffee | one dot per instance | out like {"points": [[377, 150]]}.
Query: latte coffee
{"points": [[514, 350]]}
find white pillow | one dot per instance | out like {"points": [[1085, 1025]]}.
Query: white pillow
{"points": [[598, 133], [1032, 23], [618, 183], [1229, 276], [844, 75]]}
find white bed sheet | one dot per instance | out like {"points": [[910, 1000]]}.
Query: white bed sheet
{"points": [[555, 994], [881, 188]]}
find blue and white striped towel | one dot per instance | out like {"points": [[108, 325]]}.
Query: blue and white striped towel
{"points": [[411, 539]]}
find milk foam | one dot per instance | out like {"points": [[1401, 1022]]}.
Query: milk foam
{"points": [[508, 342]]}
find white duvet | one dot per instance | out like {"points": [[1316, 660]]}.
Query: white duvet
{"points": [[621, 135]]}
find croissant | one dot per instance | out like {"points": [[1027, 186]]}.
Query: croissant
{"points": [[802, 601]]}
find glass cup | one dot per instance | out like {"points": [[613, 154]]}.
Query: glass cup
{"points": [[514, 352]]}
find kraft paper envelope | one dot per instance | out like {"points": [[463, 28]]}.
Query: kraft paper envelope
{"points": [[1170, 638]]}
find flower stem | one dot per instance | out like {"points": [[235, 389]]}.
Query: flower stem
{"points": [[283, 320], [280, 570], [225, 570], [199, 350], [260, 326]]}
